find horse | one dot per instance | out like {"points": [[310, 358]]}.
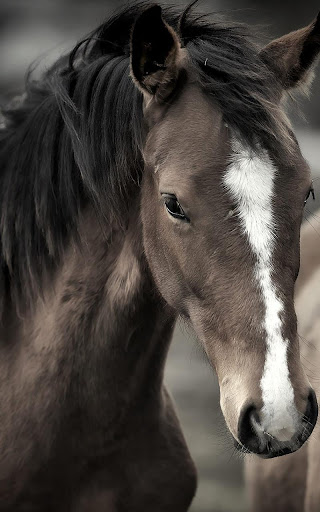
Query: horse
{"points": [[149, 173], [292, 482]]}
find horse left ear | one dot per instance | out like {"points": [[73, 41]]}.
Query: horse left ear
{"points": [[155, 49], [291, 57]]}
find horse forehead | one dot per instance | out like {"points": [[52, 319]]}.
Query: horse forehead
{"points": [[190, 126], [258, 178], [268, 202], [250, 180]]}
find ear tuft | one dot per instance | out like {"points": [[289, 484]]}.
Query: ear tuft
{"points": [[154, 52]]}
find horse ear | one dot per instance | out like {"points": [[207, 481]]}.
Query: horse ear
{"points": [[291, 57], [155, 49]]}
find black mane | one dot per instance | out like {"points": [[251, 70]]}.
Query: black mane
{"points": [[77, 135]]}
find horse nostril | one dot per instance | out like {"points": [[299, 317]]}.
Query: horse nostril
{"points": [[311, 413], [246, 428]]}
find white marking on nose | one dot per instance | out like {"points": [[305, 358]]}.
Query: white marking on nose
{"points": [[250, 181]]}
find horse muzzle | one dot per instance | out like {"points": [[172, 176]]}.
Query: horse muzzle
{"points": [[254, 438]]}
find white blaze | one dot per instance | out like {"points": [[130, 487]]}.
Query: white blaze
{"points": [[250, 181]]}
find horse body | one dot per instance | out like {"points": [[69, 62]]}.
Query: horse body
{"points": [[146, 176], [292, 482]]}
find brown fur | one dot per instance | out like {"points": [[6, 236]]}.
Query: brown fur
{"points": [[218, 305], [103, 436], [86, 420]]}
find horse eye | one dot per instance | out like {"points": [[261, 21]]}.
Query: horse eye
{"points": [[310, 193], [174, 208]]}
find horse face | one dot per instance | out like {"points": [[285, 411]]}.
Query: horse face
{"points": [[221, 228]]}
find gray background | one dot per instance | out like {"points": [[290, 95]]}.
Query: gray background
{"points": [[46, 28]]}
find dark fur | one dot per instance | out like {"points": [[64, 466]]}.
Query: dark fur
{"points": [[77, 135]]}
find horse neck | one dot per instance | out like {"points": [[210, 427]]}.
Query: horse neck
{"points": [[91, 354], [104, 314]]}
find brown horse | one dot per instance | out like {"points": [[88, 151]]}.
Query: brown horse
{"points": [[291, 484], [149, 173]]}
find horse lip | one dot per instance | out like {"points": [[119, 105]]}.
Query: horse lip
{"points": [[269, 453], [266, 453], [286, 450]]}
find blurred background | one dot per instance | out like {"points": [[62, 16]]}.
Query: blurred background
{"points": [[30, 29]]}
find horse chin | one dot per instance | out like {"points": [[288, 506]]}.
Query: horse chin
{"points": [[268, 452], [272, 454]]}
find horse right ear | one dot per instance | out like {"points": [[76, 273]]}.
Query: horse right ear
{"points": [[155, 51], [292, 56]]}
